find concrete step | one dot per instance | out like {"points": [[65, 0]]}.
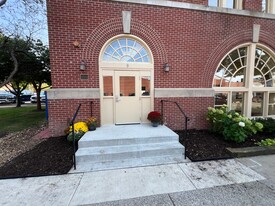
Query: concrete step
{"points": [[128, 163], [127, 134], [89, 141], [113, 147], [113, 153]]}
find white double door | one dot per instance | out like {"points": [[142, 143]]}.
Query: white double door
{"points": [[127, 90]]}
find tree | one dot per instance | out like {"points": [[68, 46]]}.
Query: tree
{"points": [[33, 67], [16, 88], [40, 72], [19, 19], [8, 53], [25, 58], [2, 2]]}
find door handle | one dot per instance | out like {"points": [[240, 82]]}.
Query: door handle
{"points": [[117, 98]]}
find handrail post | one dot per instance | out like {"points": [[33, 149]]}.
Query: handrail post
{"points": [[186, 120], [73, 144], [73, 133], [186, 117], [161, 101]]}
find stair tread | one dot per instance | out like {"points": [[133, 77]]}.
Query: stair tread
{"points": [[128, 163], [96, 138], [126, 141], [137, 131], [127, 148]]}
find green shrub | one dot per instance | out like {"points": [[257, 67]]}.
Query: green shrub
{"points": [[266, 142], [269, 124], [80, 128], [232, 125], [77, 136]]}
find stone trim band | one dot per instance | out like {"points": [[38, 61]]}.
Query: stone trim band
{"points": [[94, 93], [74, 93], [184, 92]]}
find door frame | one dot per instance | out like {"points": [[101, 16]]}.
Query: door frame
{"points": [[110, 68], [127, 101]]}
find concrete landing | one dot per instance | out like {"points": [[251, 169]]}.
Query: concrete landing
{"points": [[127, 134], [123, 146]]}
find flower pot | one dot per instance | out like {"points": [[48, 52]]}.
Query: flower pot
{"points": [[155, 124], [92, 127]]}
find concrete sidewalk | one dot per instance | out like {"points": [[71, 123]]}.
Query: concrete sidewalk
{"points": [[246, 181]]}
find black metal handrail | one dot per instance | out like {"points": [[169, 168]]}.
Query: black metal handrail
{"points": [[72, 125], [181, 110]]}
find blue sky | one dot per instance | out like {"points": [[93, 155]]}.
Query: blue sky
{"points": [[18, 19]]}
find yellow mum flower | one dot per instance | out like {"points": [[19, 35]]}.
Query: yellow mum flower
{"points": [[80, 126]]}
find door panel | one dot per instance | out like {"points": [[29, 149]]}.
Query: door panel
{"points": [[127, 97]]}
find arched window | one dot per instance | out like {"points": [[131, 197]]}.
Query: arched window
{"points": [[245, 81], [231, 72], [264, 70], [126, 49]]}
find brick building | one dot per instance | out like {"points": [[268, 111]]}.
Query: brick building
{"points": [[117, 53]]}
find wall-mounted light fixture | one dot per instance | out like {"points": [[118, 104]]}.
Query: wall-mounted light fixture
{"points": [[76, 44], [82, 65], [166, 67]]}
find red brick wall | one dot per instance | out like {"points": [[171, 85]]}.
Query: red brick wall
{"points": [[252, 5], [194, 107], [62, 111], [192, 42]]}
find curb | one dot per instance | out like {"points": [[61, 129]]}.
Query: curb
{"points": [[251, 151]]}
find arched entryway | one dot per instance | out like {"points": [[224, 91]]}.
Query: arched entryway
{"points": [[126, 71]]}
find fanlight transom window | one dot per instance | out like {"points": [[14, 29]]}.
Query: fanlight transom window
{"points": [[232, 70], [126, 50], [264, 70]]}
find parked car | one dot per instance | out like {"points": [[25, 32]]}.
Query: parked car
{"points": [[42, 98], [7, 98], [26, 95]]}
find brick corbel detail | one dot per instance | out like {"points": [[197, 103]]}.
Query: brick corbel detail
{"points": [[219, 52], [112, 27], [222, 49]]}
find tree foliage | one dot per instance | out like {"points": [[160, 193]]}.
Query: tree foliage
{"points": [[40, 70], [13, 53], [20, 19], [32, 62], [2, 2]]}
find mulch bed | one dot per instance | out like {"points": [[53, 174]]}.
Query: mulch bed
{"points": [[51, 157], [203, 145]]}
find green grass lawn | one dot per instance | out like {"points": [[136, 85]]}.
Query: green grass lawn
{"points": [[16, 119]]}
